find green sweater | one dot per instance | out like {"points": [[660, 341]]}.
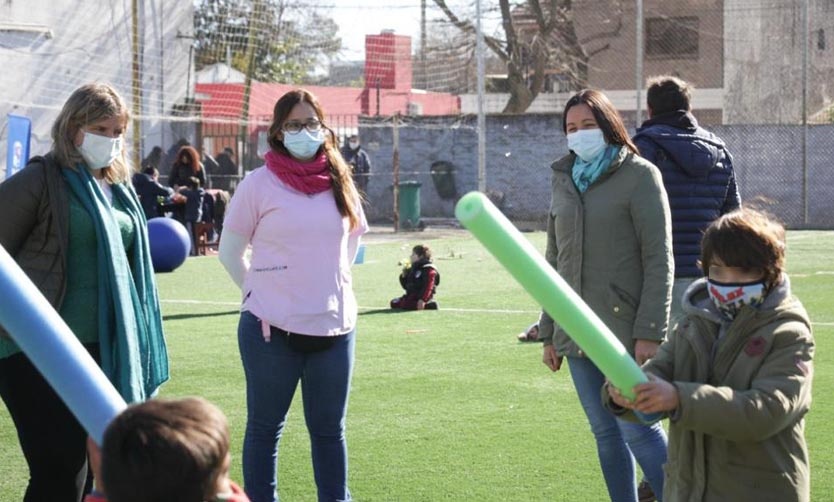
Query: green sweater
{"points": [[80, 307]]}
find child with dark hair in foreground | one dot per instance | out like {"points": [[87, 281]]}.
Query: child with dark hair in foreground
{"points": [[165, 450], [420, 280], [735, 377]]}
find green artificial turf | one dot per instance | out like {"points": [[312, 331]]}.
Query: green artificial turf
{"points": [[445, 405]]}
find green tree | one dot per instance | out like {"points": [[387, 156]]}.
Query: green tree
{"points": [[290, 37]]}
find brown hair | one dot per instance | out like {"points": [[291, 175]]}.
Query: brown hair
{"points": [[88, 104], [192, 154], [607, 117], [668, 94], [165, 450], [345, 192], [746, 238], [422, 251]]}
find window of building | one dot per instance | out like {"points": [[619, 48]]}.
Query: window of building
{"points": [[672, 37]]}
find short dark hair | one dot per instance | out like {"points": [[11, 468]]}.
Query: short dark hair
{"points": [[666, 94], [422, 251], [607, 117], [193, 182], [165, 450], [746, 238], [150, 171]]}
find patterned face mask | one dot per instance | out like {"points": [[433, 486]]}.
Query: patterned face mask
{"points": [[730, 298]]}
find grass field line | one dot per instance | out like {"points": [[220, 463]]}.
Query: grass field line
{"points": [[819, 272], [450, 309]]}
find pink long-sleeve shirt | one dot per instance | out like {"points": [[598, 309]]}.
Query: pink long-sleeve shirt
{"points": [[299, 278]]}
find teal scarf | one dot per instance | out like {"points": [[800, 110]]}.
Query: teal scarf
{"points": [[133, 352], [585, 173]]}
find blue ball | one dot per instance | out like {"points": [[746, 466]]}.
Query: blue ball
{"points": [[170, 243]]}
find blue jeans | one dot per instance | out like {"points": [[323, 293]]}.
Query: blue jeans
{"points": [[617, 439], [273, 371]]}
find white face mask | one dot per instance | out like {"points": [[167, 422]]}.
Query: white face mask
{"points": [[100, 151], [303, 144], [353, 145], [587, 143]]}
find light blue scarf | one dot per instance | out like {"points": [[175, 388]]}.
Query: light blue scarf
{"points": [[585, 173], [133, 352]]}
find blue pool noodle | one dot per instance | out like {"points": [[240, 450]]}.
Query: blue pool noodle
{"points": [[55, 351]]}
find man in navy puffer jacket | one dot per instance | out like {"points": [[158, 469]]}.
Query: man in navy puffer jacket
{"points": [[697, 172]]}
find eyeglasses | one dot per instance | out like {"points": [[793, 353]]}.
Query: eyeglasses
{"points": [[295, 126]]}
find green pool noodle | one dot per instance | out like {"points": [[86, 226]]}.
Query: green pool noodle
{"points": [[516, 254]]}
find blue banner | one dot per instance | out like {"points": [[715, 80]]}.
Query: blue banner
{"points": [[20, 130]]}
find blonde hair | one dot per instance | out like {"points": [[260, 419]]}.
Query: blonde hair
{"points": [[88, 104], [345, 192]]}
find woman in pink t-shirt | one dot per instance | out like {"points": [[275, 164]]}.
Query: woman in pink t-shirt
{"points": [[303, 217]]}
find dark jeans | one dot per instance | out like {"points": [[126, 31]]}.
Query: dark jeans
{"points": [[52, 440], [273, 370]]}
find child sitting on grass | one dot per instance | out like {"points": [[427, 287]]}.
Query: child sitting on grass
{"points": [[420, 280], [163, 450], [735, 377]]}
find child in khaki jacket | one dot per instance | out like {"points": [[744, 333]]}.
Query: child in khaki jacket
{"points": [[735, 377]]}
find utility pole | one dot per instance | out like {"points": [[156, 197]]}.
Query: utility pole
{"points": [[136, 81], [251, 42], [424, 81], [396, 161], [479, 48], [638, 64], [806, 38]]}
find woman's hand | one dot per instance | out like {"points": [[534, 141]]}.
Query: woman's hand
{"points": [[645, 350], [421, 305], [551, 358], [656, 396]]}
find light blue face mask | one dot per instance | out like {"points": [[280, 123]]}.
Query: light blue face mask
{"points": [[303, 144], [587, 144]]}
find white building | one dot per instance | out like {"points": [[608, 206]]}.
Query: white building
{"points": [[50, 47]]}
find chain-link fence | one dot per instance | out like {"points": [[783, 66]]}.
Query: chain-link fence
{"points": [[209, 73]]}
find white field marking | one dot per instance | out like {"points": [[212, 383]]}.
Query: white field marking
{"points": [[478, 311], [819, 272], [202, 302], [475, 311]]}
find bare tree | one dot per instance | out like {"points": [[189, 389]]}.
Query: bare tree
{"points": [[540, 39]]}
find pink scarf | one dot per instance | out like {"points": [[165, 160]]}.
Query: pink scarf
{"points": [[309, 177]]}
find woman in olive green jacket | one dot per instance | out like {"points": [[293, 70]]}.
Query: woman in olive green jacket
{"points": [[735, 379], [609, 236]]}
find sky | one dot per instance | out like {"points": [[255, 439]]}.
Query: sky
{"points": [[357, 18]]}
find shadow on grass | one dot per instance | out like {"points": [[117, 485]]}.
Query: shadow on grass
{"points": [[380, 311], [178, 317]]}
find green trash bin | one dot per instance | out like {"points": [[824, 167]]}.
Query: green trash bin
{"points": [[409, 204]]}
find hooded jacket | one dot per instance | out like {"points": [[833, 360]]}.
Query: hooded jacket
{"points": [[698, 175], [744, 388], [612, 245]]}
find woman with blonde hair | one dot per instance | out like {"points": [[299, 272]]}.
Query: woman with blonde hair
{"points": [[303, 217], [75, 226]]}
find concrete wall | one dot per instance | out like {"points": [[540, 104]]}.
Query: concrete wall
{"points": [[763, 60], [521, 148]]}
